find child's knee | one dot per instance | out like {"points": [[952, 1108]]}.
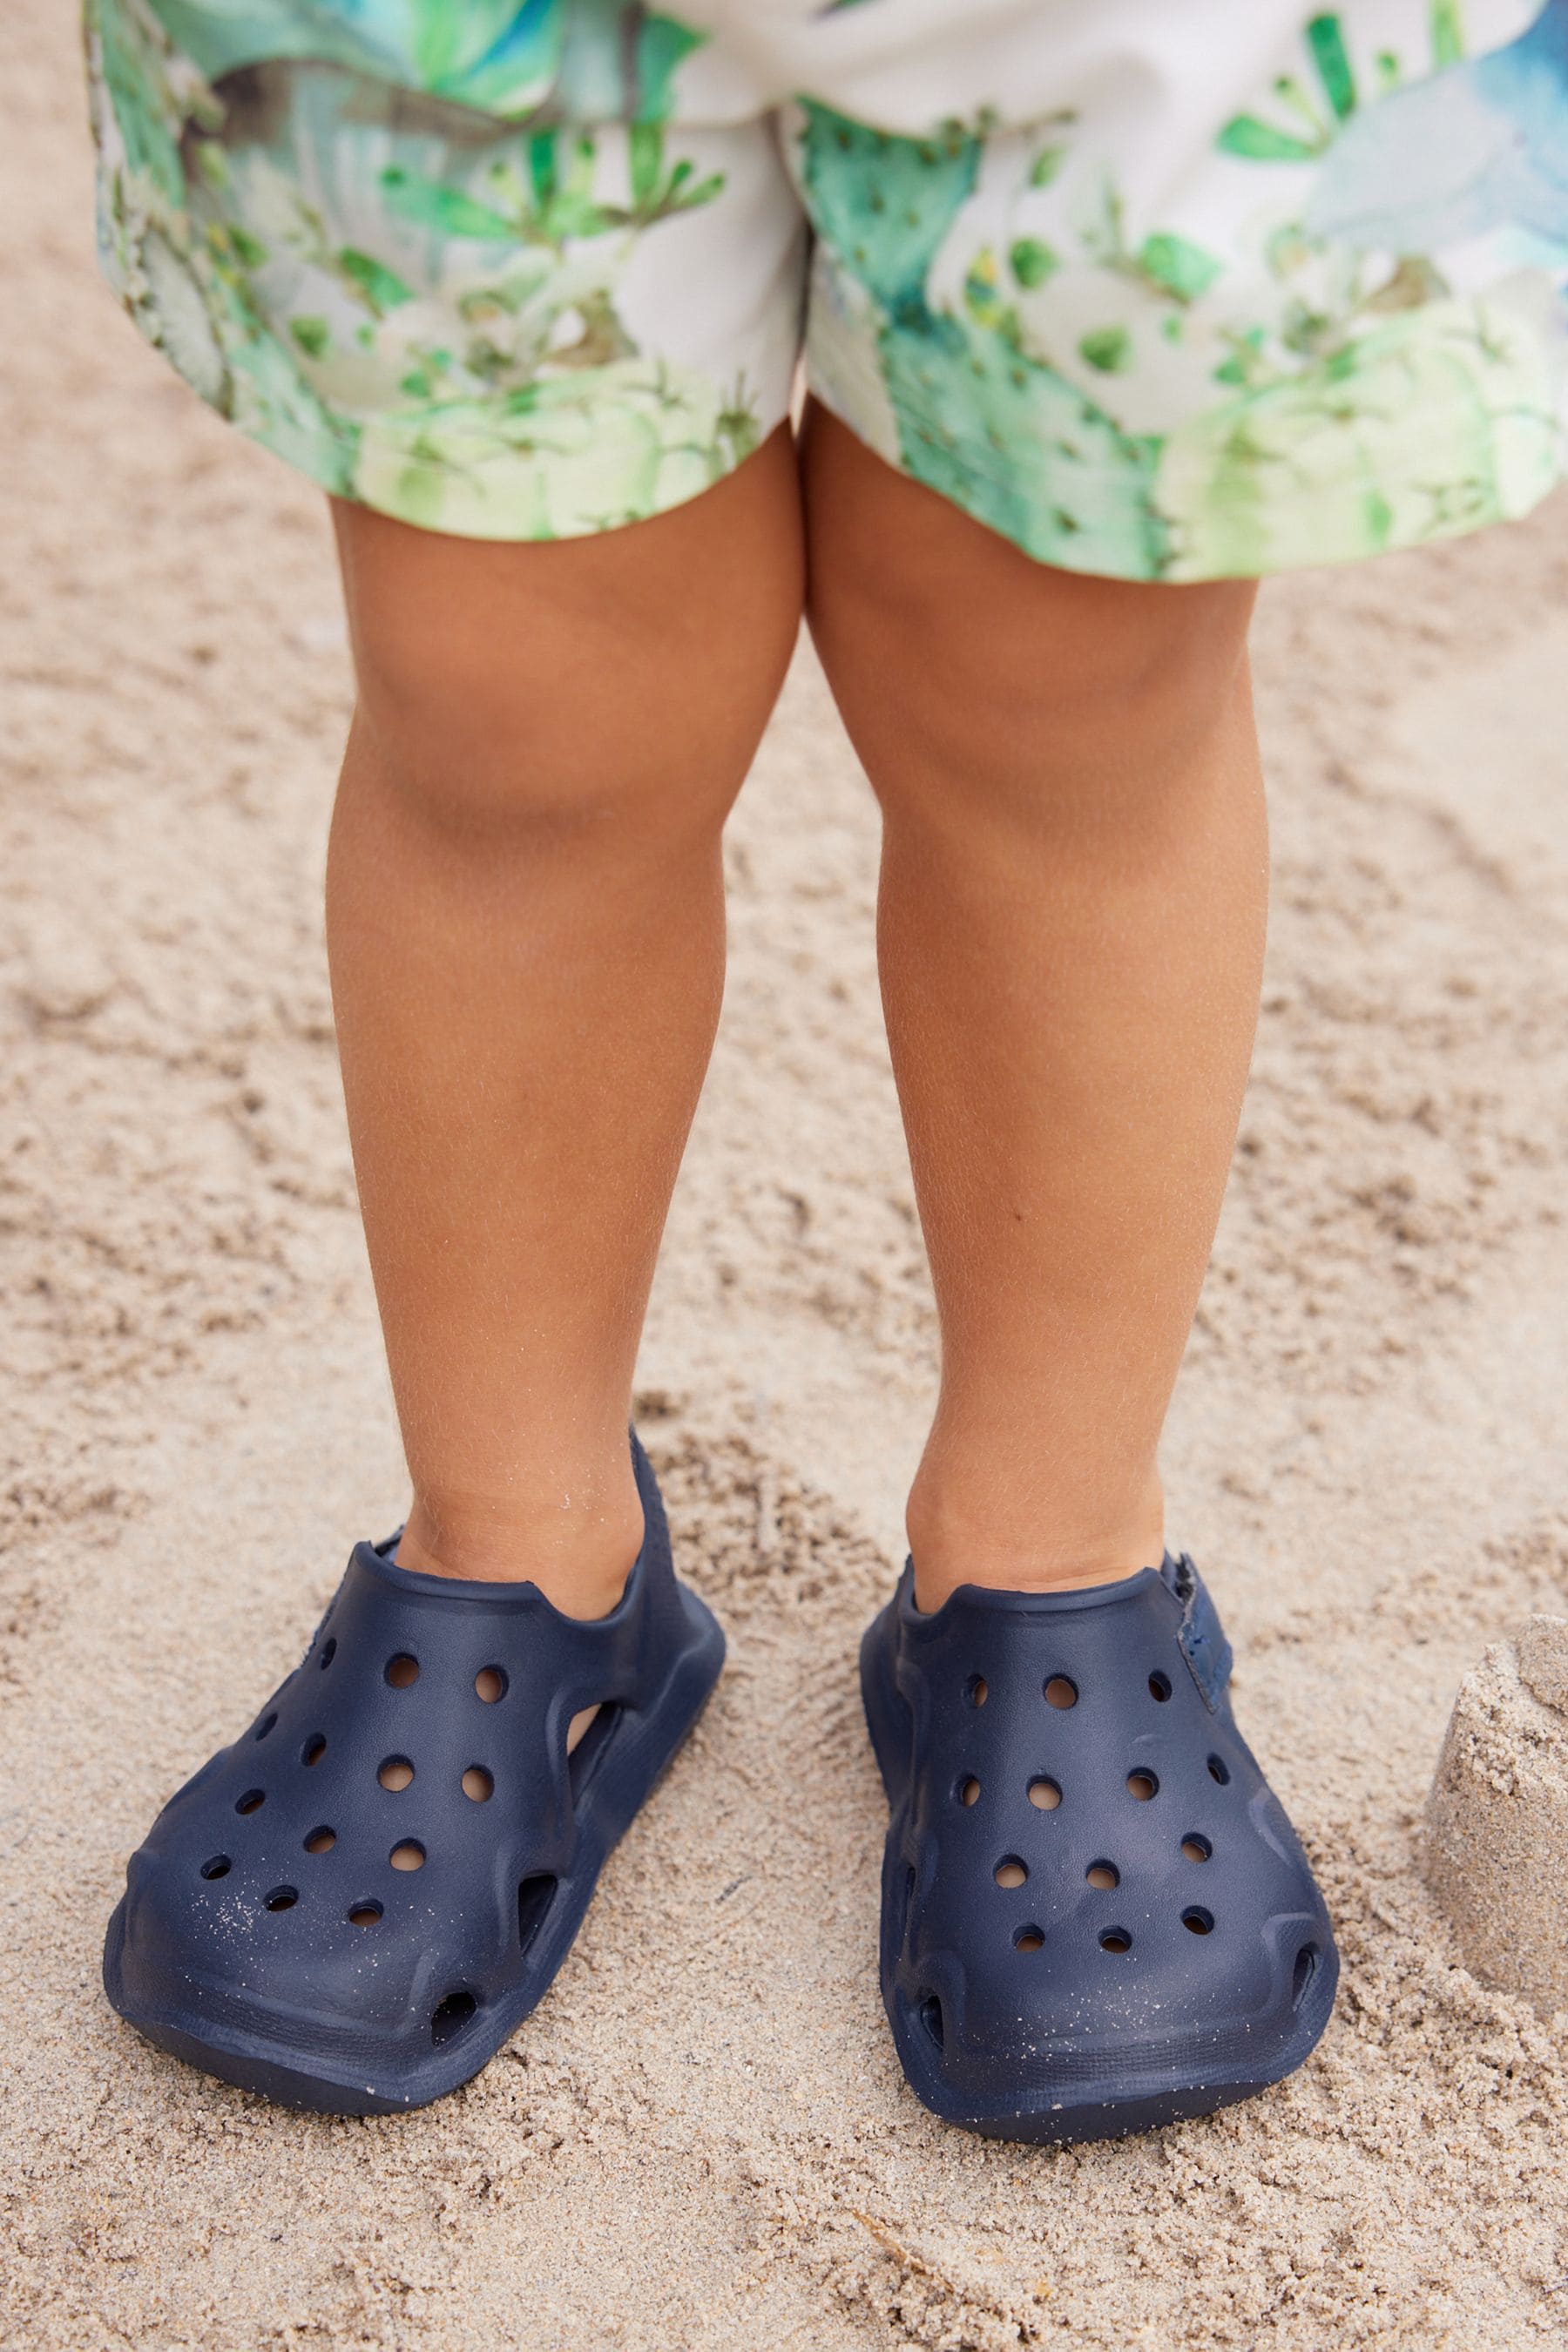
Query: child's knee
{"points": [[967, 667], [1084, 703], [597, 688], [497, 746]]}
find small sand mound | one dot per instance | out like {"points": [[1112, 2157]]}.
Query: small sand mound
{"points": [[1497, 1821]]}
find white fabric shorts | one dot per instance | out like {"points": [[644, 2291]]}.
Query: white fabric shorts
{"points": [[1161, 292]]}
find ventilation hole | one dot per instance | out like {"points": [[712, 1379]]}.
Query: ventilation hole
{"points": [[969, 1790], [1103, 1875], [395, 1773], [579, 1762], [1306, 1969], [409, 1855], [1219, 1770], [1045, 1795], [1115, 1939], [1196, 1848], [252, 1802], [1060, 1692], [266, 1724], [976, 1690], [491, 1683], [1199, 1921], [1143, 1785], [478, 1784], [315, 1748], [329, 1652], [448, 2019], [403, 1670], [364, 1914], [1028, 1939], [283, 1899], [322, 1840], [532, 1902], [1159, 1686], [220, 1865], [1010, 1871], [930, 2017]]}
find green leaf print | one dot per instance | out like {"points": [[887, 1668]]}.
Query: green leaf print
{"points": [[655, 195], [1176, 264], [969, 410], [736, 424], [1109, 349], [662, 46], [1326, 40], [1019, 447], [542, 161], [1377, 520], [1260, 142], [1045, 166], [1032, 261], [884, 204], [679, 195], [1447, 31], [562, 175], [446, 210], [555, 201], [380, 287], [312, 335], [645, 143]]}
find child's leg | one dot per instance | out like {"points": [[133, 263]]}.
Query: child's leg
{"points": [[1071, 928], [525, 919]]}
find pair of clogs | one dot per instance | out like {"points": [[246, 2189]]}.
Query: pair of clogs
{"points": [[1096, 1916]]}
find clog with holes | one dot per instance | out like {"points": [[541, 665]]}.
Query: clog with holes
{"points": [[1096, 1916], [353, 1907]]}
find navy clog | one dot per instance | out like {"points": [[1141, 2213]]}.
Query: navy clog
{"points": [[1096, 1916], [355, 1905]]}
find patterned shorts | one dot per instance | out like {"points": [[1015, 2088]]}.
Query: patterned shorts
{"points": [[1160, 292]]}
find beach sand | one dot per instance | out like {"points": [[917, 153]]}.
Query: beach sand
{"points": [[702, 2138]]}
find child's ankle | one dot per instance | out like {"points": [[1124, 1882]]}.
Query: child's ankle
{"points": [[1031, 1548], [580, 1557]]}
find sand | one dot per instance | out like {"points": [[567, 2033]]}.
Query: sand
{"points": [[702, 2141], [1497, 1819]]}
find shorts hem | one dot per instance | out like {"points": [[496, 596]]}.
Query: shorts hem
{"points": [[990, 496]]}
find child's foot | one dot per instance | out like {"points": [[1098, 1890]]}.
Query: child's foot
{"points": [[353, 1907], [1096, 1916]]}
